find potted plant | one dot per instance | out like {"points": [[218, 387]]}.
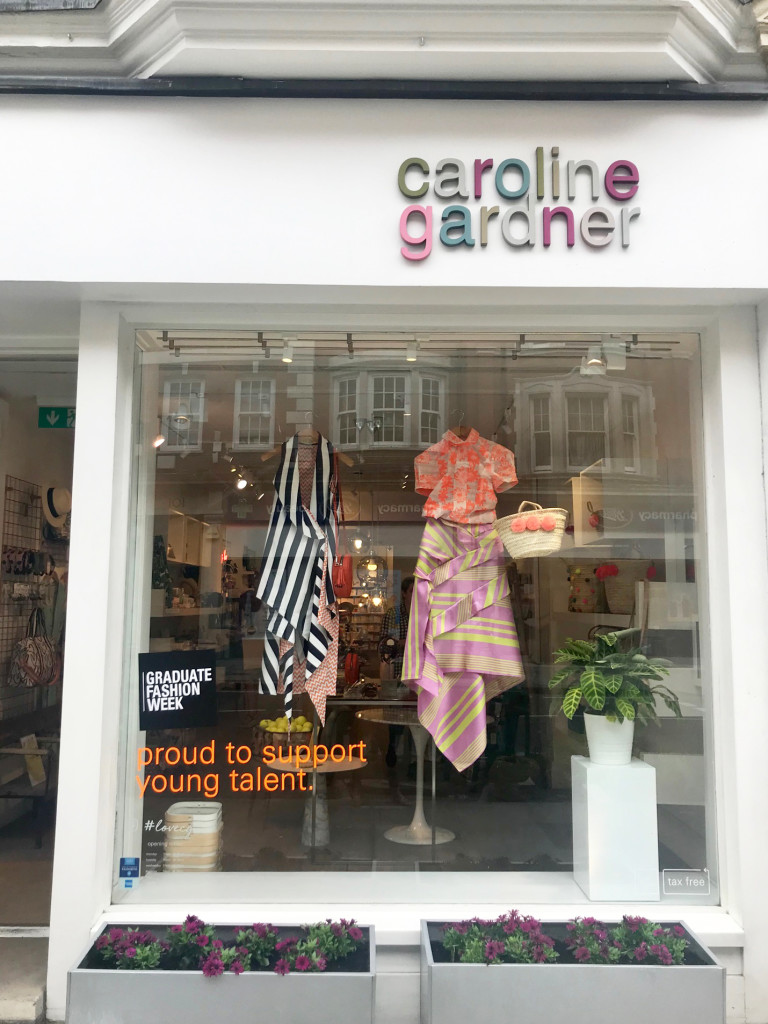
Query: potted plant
{"points": [[199, 973], [614, 687], [517, 969]]}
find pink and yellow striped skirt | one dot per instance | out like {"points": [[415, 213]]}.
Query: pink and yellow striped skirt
{"points": [[461, 649]]}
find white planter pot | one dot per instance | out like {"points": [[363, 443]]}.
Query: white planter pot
{"points": [[454, 993], [97, 996], [609, 742]]}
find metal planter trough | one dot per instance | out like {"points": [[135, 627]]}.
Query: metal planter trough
{"points": [[453, 993], [97, 996]]}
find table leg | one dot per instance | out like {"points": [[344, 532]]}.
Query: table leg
{"points": [[419, 832], [322, 829]]}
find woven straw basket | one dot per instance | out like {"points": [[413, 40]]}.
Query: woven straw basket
{"points": [[532, 531], [620, 590]]}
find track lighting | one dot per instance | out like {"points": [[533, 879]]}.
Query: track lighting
{"points": [[287, 356], [241, 484], [411, 352]]}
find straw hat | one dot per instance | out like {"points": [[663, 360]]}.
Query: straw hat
{"points": [[57, 502]]}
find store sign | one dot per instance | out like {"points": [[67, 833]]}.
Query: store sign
{"points": [[55, 417], [177, 690], [525, 203]]}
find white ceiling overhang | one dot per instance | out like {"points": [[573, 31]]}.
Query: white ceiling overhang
{"points": [[701, 41]]}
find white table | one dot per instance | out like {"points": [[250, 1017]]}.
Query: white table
{"points": [[419, 832]]}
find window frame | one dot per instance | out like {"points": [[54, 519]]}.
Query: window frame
{"points": [[170, 446], [237, 413]]}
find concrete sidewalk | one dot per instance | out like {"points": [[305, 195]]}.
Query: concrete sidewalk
{"points": [[22, 979]]}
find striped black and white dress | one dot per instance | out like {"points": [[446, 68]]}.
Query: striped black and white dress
{"points": [[301, 642]]}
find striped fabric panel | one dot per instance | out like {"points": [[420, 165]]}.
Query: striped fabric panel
{"points": [[462, 647], [296, 581]]}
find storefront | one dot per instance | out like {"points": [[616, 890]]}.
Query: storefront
{"points": [[559, 286]]}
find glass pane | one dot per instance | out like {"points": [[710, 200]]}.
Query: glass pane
{"points": [[203, 584]]}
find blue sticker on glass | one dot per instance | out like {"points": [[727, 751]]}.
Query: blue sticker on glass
{"points": [[129, 867]]}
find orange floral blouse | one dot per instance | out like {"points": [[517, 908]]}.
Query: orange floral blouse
{"points": [[462, 477]]}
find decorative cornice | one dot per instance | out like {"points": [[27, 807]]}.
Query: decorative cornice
{"points": [[760, 11], [704, 41]]}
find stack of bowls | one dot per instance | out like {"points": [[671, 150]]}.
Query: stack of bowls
{"points": [[194, 839]]}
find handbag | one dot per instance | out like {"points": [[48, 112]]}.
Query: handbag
{"points": [[36, 659], [341, 572]]}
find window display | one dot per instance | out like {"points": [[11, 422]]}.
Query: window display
{"points": [[387, 542]]}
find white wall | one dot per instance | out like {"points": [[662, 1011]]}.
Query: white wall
{"points": [[185, 190]]}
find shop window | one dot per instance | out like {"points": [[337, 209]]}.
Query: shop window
{"points": [[431, 409], [374, 409], [346, 400], [183, 405], [213, 583], [586, 432], [388, 409], [254, 413], [629, 436], [541, 432]]}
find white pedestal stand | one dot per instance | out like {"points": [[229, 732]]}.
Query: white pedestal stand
{"points": [[615, 832], [419, 832]]}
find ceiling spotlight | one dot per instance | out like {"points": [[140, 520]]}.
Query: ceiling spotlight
{"points": [[350, 347], [160, 437], [357, 541], [411, 352], [287, 356], [241, 484], [595, 357], [181, 416]]}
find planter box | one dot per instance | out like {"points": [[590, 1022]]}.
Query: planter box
{"points": [[579, 993], [97, 996]]}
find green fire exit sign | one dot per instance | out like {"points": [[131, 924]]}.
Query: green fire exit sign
{"points": [[50, 417]]}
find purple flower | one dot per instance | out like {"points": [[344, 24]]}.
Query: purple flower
{"points": [[217, 944], [102, 941], [679, 932], [115, 934], [130, 952], [282, 967], [192, 925], [600, 934], [285, 944], [213, 966], [321, 963], [355, 933], [528, 925], [582, 954], [493, 949], [303, 963], [236, 967], [658, 931], [641, 952], [202, 940], [176, 929], [261, 930], [337, 930], [570, 927]]}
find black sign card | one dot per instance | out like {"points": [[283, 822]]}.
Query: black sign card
{"points": [[177, 689]]}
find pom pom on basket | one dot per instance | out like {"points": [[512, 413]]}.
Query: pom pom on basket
{"points": [[532, 531]]}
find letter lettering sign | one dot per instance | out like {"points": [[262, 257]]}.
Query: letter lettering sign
{"points": [[177, 689]]}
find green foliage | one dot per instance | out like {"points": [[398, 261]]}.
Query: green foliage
{"points": [[600, 677], [511, 938]]}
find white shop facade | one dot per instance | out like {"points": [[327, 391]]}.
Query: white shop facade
{"points": [[582, 283]]}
